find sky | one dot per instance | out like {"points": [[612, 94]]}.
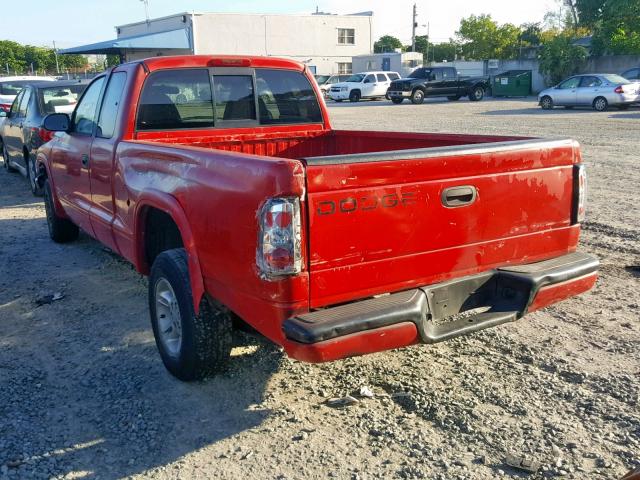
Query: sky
{"points": [[78, 22]]}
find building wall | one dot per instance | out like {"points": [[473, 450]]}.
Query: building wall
{"points": [[611, 64], [403, 63], [155, 25], [312, 39]]}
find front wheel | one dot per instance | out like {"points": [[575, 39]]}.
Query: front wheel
{"points": [[61, 230], [354, 96], [600, 104], [32, 172], [417, 97], [546, 103], [191, 346], [397, 100], [5, 157], [476, 94]]}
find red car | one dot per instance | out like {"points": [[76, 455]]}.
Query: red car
{"points": [[222, 179]]}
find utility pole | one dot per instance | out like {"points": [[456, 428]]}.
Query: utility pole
{"points": [[55, 52], [428, 42], [146, 9], [413, 28]]}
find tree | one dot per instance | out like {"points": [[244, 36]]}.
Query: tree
{"points": [[560, 58], [11, 55], [617, 27], [482, 38], [386, 43]]}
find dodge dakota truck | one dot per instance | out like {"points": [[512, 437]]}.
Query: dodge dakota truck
{"points": [[222, 179], [437, 82]]}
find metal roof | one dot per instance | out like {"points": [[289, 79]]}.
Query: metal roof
{"points": [[171, 39]]}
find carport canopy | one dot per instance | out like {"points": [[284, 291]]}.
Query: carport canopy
{"points": [[171, 39]]}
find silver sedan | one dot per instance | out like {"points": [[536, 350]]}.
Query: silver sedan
{"points": [[595, 90]]}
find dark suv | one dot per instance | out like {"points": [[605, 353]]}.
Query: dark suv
{"points": [[22, 133]]}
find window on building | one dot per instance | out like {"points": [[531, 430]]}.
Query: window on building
{"points": [[345, 68], [346, 36], [286, 97]]}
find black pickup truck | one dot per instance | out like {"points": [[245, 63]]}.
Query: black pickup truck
{"points": [[437, 82]]}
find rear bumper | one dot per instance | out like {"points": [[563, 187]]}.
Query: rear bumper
{"points": [[439, 312]]}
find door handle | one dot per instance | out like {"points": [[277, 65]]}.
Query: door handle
{"points": [[459, 196], [85, 160]]}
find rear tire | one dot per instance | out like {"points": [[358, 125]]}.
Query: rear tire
{"points": [[32, 174], [600, 104], [5, 157], [61, 230], [191, 346], [354, 96], [546, 102], [397, 101], [417, 97], [476, 94]]}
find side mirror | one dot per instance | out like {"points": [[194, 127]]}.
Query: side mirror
{"points": [[56, 122]]}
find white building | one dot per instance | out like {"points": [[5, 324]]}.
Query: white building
{"points": [[402, 62], [325, 42]]}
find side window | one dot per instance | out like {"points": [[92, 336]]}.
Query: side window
{"points": [[571, 83], [369, 79], [286, 97], [381, 77], [448, 73], [176, 99], [393, 76], [234, 98], [24, 103], [587, 82], [84, 117], [110, 105], [16, 104], [437, 74]]}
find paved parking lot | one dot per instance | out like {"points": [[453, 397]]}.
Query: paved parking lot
{"points": [[84, 394]]}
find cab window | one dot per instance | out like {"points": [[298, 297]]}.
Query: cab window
{"points": [[16, 104], [111, 105], [84, 117], [234, 97], [24, 103], [286, 97]]}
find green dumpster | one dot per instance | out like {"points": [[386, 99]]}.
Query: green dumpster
{"points": [[514, 83]]}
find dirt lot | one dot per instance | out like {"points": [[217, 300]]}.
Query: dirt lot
{"points": [[83, 393]]}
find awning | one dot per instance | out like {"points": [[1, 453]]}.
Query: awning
{"points": [[172, 39]]}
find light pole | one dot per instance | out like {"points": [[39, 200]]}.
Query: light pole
{"points": [[55, 52], [146, 9]]}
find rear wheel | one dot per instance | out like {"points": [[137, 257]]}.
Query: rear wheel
{"points": [[191, 346], [546, 103], [417, 97], [476, 94], [32, 172], [397, 100], [5, 156], [354, 96], [61, 230], [453, 98], [600, 104]]}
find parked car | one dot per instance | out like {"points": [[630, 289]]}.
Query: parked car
{"points": [[11, 86], [22, 133], [599, 91], [243, 204], [327, 81], [632, 74], [437, 82], [363, 85]]}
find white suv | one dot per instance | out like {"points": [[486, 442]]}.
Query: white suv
{"points": [[363, 85]]}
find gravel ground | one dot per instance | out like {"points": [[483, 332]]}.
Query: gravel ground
{"points": [[83, 393]]}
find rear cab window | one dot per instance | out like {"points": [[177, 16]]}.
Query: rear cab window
{"points": [[226, 97]]}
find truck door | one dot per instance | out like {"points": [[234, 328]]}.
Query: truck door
{"points": [[450, 81], [382, 84], [101, 166], [435, 83], [70, 158]]}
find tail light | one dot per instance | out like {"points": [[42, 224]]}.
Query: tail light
{"points": [[619, 89], [279, 241], [5, 107], [579, 193], [44, 134]]}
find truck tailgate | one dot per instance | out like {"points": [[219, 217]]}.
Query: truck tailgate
{"points": [[384, 222]]}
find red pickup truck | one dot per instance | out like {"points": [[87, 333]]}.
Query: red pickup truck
{"points": [[222, 179]]}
